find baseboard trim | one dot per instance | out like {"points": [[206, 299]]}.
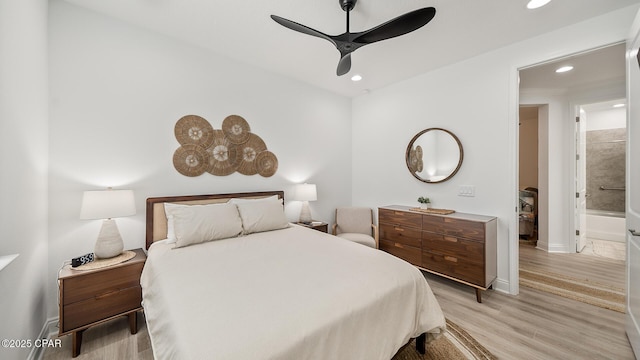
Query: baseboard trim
{"points": [[502, 286], [49, 330]]}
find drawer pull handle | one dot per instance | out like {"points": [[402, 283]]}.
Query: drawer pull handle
{"points": [[398, 229], [450, 239], [451, 258], [398, 245], [106, 294]]}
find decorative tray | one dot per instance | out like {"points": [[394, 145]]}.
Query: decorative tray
{"points": [[434, 211]]}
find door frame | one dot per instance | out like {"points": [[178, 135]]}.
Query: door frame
{"points": [[568, 151], [606, 93], [632, 326], [580, 179]]}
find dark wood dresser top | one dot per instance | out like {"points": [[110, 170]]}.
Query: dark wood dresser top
{"points": [[455, 215]]}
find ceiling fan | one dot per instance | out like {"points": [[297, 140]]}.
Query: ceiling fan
{"points": [[349, 42]]}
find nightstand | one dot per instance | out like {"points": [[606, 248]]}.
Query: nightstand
{"points": [[323, 226], [91, 297]]}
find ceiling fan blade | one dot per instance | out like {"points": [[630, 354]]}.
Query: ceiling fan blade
{"points": [[344, 65], [301, 28], [399, 26]]}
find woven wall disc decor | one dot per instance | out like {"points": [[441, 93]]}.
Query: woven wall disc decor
{"points": [[223, 151], [266, 163], [249, 152], [194, 130], [236, 129], [415, 159], [419, 162], [191, 160], [224, 156]]}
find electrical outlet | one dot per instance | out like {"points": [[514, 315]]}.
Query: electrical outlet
{"points": [[467, 190]]}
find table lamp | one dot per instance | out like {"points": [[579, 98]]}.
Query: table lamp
{"points": [[305, 193], [107, 204]]}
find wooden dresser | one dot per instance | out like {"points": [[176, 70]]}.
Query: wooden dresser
{"points": [[458, 246]]}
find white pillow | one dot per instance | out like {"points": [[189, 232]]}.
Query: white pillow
{"points": [[258, 216], [194, 224], [171, 233], [248, 200]]}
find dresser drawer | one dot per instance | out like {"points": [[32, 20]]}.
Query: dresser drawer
{"points": [[398, 217], [410, 254], [451, 245], [101, 306], [84, 287], [404, 235], [473, 230], [455, 267]]}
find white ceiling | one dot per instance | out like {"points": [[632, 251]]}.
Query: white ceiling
{"points": [[243, 30], [599, 66]]}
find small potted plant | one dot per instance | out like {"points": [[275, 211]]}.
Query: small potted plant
{"points": [[425, 202]]}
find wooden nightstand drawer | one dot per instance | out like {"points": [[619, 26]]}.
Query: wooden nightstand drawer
{"points": [[101, 306], [404, 218], [107, 280], [316, 225]]}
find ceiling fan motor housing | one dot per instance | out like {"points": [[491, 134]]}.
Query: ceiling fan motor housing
{"points": [[347, 5]]}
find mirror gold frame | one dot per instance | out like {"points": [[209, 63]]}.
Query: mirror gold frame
{"points": [[441, 151]]}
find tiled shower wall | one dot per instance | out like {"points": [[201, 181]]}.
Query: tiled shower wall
{"points": [[606, 167]]}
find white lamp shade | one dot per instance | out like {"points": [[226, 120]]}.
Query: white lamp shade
{"points": [[306, 192], [107, 204]]}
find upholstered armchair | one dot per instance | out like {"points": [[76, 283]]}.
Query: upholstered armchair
{"points": [[356, 224]]}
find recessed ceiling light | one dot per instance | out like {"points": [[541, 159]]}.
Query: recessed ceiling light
{"points": [[564, 69], [356, 77], [534, 4], [618, 105]]}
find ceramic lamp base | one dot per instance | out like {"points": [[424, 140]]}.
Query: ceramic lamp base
{"points": [[305, 213], [109, 243]]}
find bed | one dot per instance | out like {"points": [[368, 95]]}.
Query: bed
{"points": [[274, 290]]}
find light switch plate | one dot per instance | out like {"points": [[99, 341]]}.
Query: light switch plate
{"points": [[467, 190]]}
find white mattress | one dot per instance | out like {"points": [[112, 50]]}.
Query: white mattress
{"points": [[294, 293]]}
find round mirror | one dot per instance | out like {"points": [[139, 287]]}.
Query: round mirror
{"points": [[434, 155]]}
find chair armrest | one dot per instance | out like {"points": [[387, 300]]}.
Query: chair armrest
{"points": [[333, 229], [375, 234]]}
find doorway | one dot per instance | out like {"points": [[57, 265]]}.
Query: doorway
{"points": [[597, 76], [603, 150]]}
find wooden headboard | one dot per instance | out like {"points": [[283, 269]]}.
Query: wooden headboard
{"points": [[157, 219]]}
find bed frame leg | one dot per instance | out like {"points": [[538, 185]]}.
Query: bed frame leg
{"points": [[421, 342]]}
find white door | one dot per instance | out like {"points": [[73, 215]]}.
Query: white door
{"points": [[633, 191], [581, 179]]}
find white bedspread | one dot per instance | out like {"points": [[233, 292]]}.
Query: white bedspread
{"points": [[294, 293]]}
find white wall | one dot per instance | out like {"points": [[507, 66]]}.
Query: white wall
{"points": [[555, 131], [528, 150], [477, 99], [607, 119], [116, 94], [23, 178]]}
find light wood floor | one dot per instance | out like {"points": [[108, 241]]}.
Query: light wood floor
{"points": [[531, 325], [538, 325]]}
